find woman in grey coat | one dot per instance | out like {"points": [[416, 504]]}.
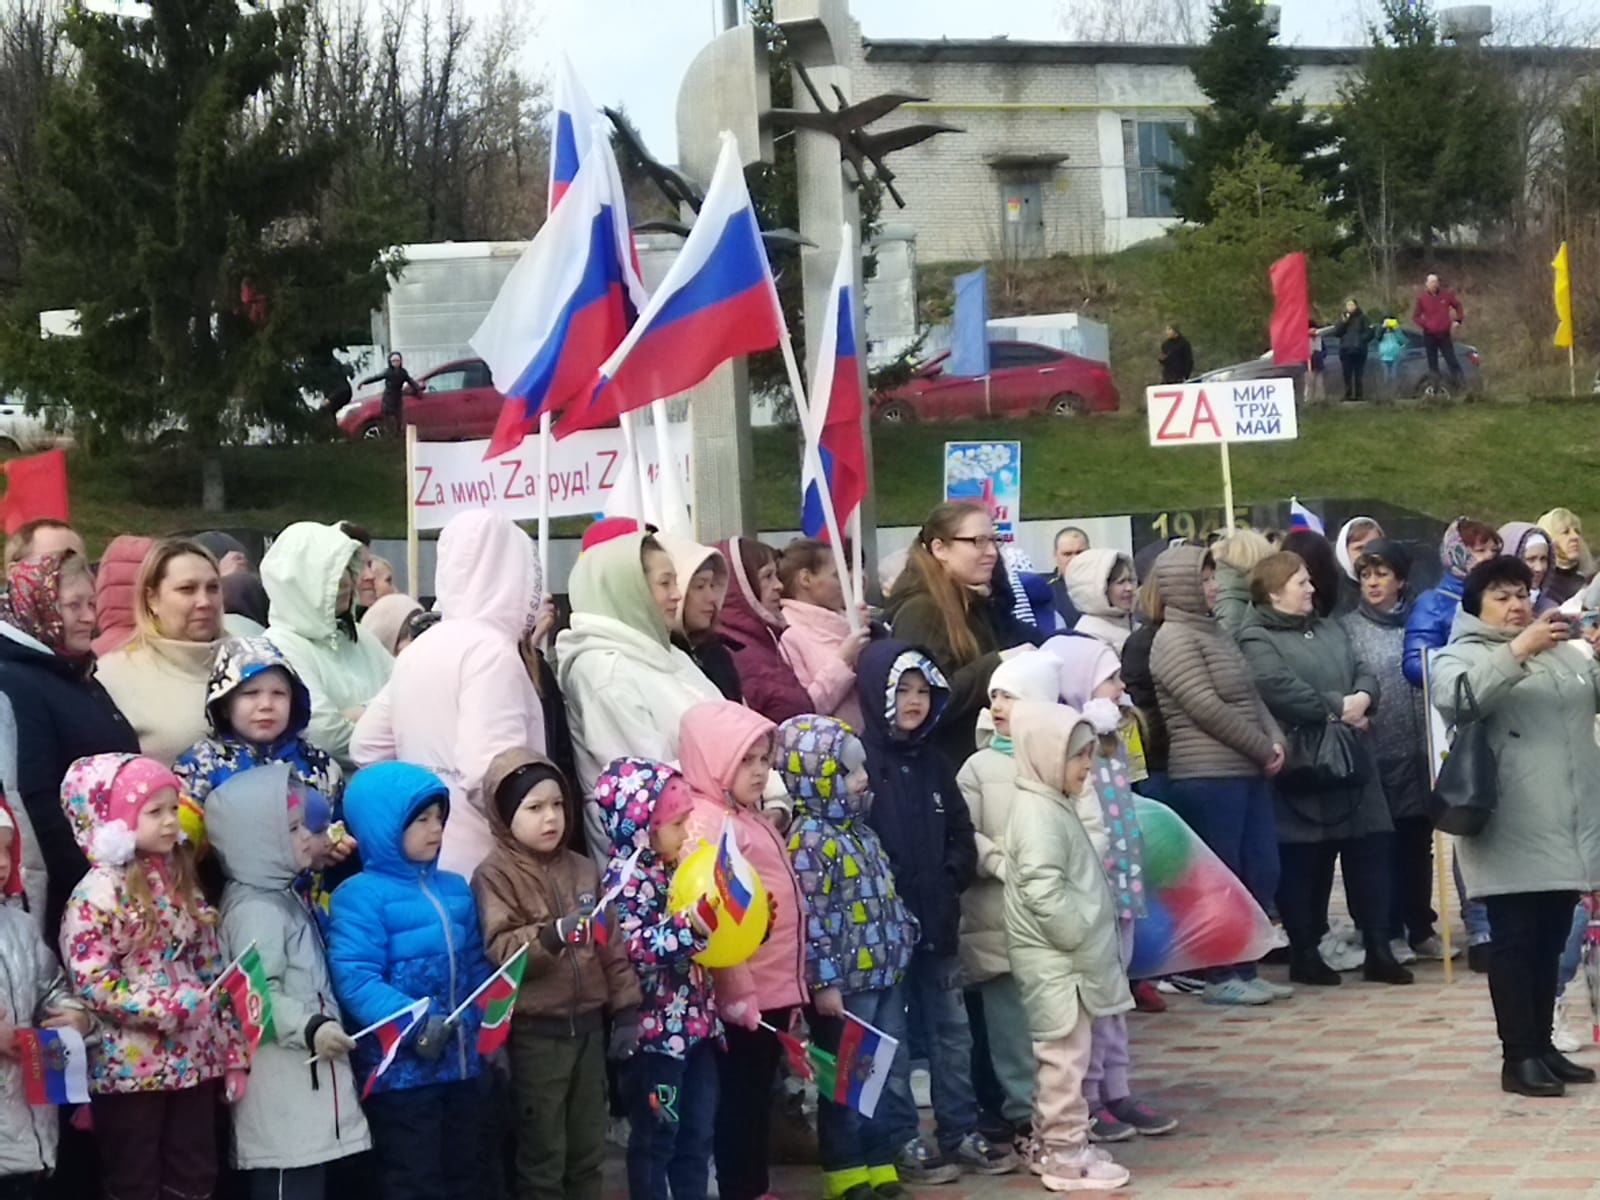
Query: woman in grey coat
{"points": [[1541, 848], [1377, 630], [1309, 676]]}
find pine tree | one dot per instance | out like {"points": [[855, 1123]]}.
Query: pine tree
{"points": [[184, 214], [1427, 135], [1244, 73]]}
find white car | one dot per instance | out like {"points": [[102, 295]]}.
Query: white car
{"points": [[22, 432]]}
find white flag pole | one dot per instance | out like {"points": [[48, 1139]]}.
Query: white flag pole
{"points": [[858, 556], [379, 1024], [544, 497], [227, 970], [484, 986]]}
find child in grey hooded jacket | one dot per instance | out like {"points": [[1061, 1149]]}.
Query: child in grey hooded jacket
{"points": [[294, 1119]]}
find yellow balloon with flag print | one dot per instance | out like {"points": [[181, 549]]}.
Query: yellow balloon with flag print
{"points": [[694, 889]]}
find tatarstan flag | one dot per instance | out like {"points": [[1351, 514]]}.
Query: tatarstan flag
{"points": [[497, 1001], [245, 981]]}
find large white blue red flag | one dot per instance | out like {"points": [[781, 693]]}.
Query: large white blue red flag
{"points": [[717, 302], [573, 133], [566, 305], [836, 406]]}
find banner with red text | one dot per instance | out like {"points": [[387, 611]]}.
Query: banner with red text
{"points": [[453, 477]]}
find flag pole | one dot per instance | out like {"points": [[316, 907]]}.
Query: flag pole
{"points": [[859, 556], [484, 986], [814, 461], [1572, 370], [544, 498], [427, 1001], [1227, 488], [413, 547], [223, 974]]}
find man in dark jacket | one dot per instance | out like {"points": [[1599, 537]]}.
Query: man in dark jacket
{"points": [[1070, 542], [1437, 312], [395, 380], [921, 818], [1176, 357]]}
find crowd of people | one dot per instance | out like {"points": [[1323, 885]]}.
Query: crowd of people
{"points": [[385, 803]]}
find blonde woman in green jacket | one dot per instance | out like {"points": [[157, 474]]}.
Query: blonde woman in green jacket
{"points": [[1061, 929]]}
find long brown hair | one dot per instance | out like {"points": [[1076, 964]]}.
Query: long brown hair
{"points": [[183, 888], [925, 573], [152, 571]]}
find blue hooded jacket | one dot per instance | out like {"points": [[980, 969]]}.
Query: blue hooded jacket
{"points": [[918, 812], [403, 930]]}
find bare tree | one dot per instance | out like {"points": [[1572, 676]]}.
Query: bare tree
{"points": [[1165, 21]]}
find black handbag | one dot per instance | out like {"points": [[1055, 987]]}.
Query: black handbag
{"points": [[1322, 758], [1468, 788]]}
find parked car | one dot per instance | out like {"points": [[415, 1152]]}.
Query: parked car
{"points": [[1411, 380], [22, 432], [1024, 380], [458, 402]]}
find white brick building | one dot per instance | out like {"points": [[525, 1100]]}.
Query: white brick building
{"points": [[1063, 141]]}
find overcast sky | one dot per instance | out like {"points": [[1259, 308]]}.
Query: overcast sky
{"points": [[634, 52]]}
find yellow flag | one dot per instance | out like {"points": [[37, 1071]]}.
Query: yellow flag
{"points": [[1563, 293]]}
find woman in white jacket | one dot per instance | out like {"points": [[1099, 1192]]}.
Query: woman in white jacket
{"points": [[461, 695], [1102, 587], [626, 685]]}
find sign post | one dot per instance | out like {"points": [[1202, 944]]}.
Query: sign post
{"points": [[1220, 414]]}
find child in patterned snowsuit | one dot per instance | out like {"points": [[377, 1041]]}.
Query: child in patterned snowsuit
{"points": [[859, 933]]}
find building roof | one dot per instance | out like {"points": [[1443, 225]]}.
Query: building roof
{"points": [[1008, 50]]}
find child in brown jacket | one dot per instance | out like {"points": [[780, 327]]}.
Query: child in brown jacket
{"points": [[532, 891]]}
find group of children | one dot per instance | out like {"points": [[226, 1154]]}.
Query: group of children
{"points": [[864, 863]]}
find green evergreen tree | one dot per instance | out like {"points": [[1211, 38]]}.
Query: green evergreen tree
{"points": [[1427, 134], [184, 213], [1244, 73]]}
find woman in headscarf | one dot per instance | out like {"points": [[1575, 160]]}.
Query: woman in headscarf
{"points": [[1353, 538], [159, 678], [626, 685], [462, 695], [752, 624], [61, 712], [1573, 565], [1525, 540]]}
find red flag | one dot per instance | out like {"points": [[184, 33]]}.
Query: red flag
{"points": [[36, 488], [1291, 310]]}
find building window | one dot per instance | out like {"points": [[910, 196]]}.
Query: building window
{"points": [[1148, 150]]}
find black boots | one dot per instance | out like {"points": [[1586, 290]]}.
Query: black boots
{"points": [[1306, 966], [1530, 1077], [1381, 965], [1478, 958], [1564, 1069]]}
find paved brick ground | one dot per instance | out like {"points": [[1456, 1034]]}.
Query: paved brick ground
{"points": [[1360, 1090]]}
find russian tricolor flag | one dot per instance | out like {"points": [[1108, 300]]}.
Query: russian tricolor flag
{"points": [[836, 408], [566, 305], [54, 1066], [1301, 517], [391, 1034], [717, 302], [733, 876], [573, 134]]}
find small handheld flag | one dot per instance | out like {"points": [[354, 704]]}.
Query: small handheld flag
{"points": [[245, 981], [498, 1000], [390, 1032], [854, 1077], [1301, 517], [733, 876], [54, 1065], [600, 923]]}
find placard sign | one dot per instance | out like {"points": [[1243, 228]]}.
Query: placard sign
{"points": [[1206, 414], [452, 477], [989, 473]]}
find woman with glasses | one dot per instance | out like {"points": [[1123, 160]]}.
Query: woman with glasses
{"points": [[940, 603]]}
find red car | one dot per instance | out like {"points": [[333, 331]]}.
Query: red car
{"points": [[1025, 380], [458, 402]]}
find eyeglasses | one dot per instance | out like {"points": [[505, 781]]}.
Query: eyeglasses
{"points": [[981, 543]]}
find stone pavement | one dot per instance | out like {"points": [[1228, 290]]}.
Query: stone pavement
{"points": [[1359, 1090]]}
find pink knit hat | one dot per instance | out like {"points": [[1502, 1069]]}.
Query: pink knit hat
{"points": [[134, 786]]}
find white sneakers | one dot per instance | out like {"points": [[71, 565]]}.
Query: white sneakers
{"points": [[1562, 1036], [1402, 951], [1085, 1170], [1341, 948]]}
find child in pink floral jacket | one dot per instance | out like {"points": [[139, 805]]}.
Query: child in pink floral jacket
{"points": [[140, 946]]}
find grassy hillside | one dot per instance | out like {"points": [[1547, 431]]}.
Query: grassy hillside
{"points": [[1498, 460]]}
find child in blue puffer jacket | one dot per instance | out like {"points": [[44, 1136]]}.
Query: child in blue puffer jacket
{"points": [[401, 931]]}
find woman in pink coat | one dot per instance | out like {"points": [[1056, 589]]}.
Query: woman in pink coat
{"points": [[818, 641], [461, 695], [115, 583], [751, 625], [725, 751]]}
